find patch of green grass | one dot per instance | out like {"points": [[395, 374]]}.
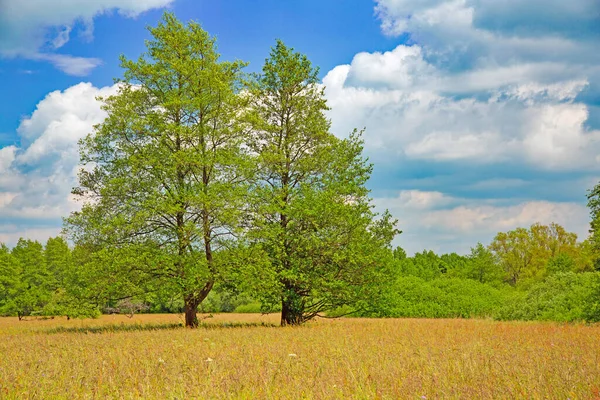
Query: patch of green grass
{"points": [[114, 328], [250, 308], [237, 325], [111, 328]]}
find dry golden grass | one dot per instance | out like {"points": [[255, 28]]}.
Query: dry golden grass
{"points": [[346, 358]]}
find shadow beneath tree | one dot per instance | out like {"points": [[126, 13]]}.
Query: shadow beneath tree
{"points": [[114, 328]]}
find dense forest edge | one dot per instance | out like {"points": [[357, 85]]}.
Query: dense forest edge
{"points": [[207, 189], [541, 273]]}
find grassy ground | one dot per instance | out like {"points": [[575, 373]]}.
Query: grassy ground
{"points": [[150, 356]]}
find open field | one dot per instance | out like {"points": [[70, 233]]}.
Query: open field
{"points": [[346, 358]]}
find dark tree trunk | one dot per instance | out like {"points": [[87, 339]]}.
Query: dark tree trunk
{"points": [[192, 302], [290, 315], [191, 311], [292, 310]]}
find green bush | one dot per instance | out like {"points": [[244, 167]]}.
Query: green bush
{"points": [[591, 311], [250, 308], [442, 297], [560, 297], [220, 301]]}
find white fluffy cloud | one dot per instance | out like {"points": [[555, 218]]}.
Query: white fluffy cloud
{"points": [[496, 31], [36, 178], [493, 88], [35, 28], [432, 220], [412, 108], [59, 121], [7, 156]]}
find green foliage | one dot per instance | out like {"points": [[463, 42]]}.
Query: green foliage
{"points": [[43, 281], [560, 297], [426, 265], [9, 280], [560, 263], [482, 266], [222, 300], [32, 285], [58, 261], [525, 254], [250, 308], [347, 310], [591, 309], [63, 302], [163, 302], [399, 253], [594, 206], [515, 253], [440, 298]]}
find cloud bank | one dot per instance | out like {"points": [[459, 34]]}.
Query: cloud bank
{"points": [[490, 107], [36, 177], [36, 29]]}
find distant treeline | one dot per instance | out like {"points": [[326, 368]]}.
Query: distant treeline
{"points": [[540, 273]]}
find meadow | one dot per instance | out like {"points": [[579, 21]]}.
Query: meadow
{"points": [[246, 356]]}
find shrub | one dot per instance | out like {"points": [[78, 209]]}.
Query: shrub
{"points": [[560, 297], [440, 298], [250, 308]]}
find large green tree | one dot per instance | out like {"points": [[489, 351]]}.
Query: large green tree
{"points": [[483, 266], [515, 252], [58, 261], [165, 184], [426, 265], [71, 281], [312, 212], [525, 254], [33, 285]]}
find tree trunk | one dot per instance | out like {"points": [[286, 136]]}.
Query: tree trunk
{"points": [[289, 315], [292, 311], [192, 302], [191, 311]]}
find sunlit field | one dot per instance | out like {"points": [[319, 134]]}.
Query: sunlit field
{"points": [[151, 356]]}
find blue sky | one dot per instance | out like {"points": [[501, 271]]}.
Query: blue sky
{"points": [[480, 115]]}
